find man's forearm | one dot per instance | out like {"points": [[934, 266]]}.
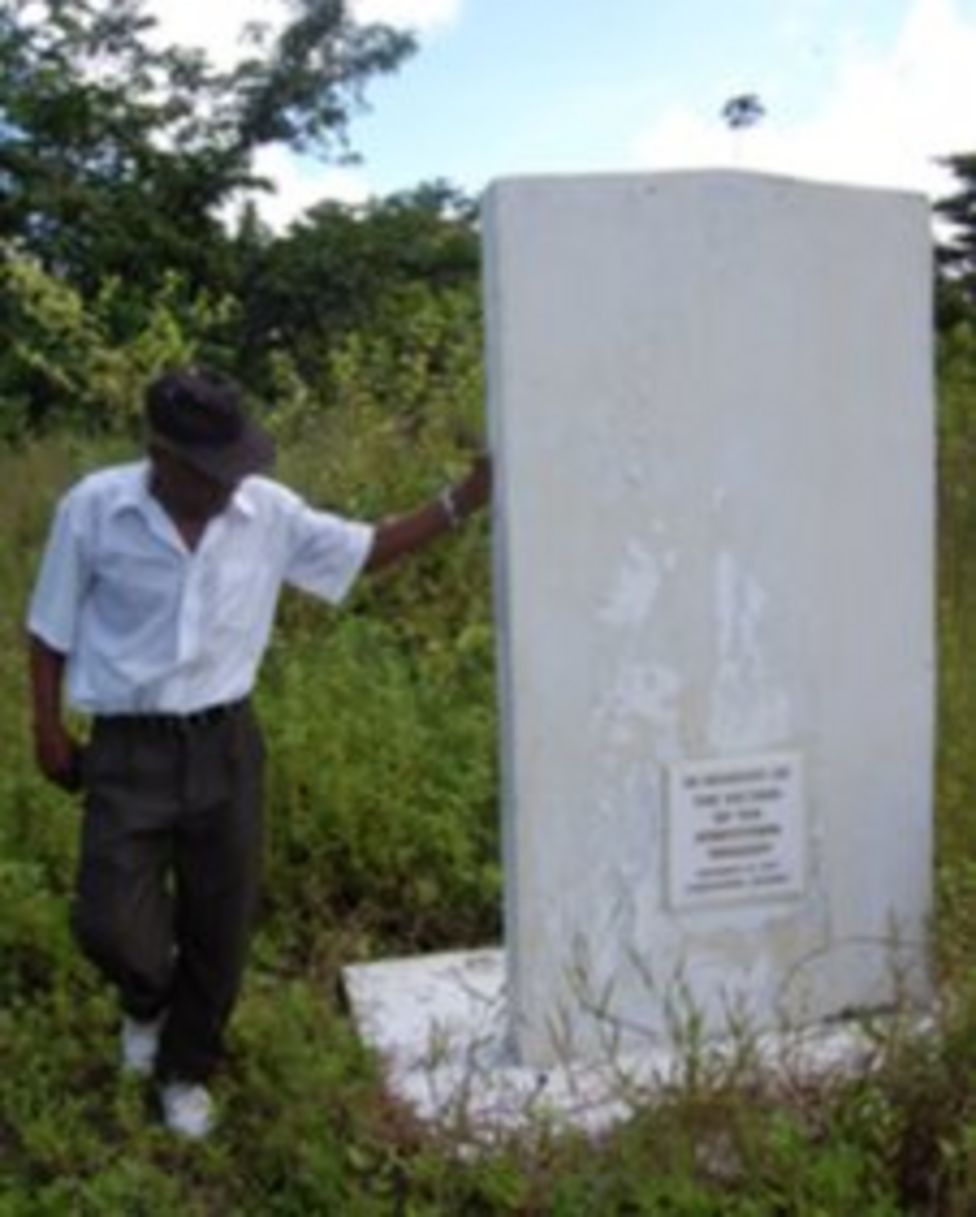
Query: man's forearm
{"points": [[47, 674], [57, 754], [402, 535]]}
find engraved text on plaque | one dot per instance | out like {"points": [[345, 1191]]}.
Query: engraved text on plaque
{"points": [[736, 830]]}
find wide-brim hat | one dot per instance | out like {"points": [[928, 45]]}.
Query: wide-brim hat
{"points": [[199, 416]]}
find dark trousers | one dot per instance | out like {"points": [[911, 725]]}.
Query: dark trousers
{"points": [[169, 871]]}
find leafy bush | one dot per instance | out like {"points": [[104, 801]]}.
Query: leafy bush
{"points": [[68, 364], [383, 839]]}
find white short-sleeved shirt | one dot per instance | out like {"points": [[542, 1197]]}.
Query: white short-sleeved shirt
{"points": [[149, 626]]}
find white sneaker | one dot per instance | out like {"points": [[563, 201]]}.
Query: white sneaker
{"points": [[140, 1044], [187, 1109]]}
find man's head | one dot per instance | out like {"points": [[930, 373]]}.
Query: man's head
{"points": [[200, 441], [198, 417]]}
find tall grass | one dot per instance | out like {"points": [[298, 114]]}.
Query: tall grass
{"points": [[383, 838]]}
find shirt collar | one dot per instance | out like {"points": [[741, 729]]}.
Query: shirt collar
{"points": [[134, 494], [243, 498]]}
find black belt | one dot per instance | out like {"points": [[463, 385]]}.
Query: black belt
{"points": [[175, 723]]}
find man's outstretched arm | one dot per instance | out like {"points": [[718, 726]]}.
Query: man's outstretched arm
{"points": [[402, 535]]}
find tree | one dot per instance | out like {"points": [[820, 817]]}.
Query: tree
{"points": [[338, 268], [305, 91], [956, 255], [115, 156]]}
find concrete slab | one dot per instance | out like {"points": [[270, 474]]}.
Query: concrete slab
{"points": [[441, 1025]]}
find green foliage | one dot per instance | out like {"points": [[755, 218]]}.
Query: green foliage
{"points": [[110, 165], [394, 824], [63, 365], [397, 285], [304, 91], [401, 837], [382, 837], [957, 579], [340, 271], [120, 164], [115, 155]]}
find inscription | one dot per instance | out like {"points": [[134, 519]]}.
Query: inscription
{"points": [[736, 830]]}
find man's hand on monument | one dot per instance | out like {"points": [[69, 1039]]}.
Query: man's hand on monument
{"points": [[474, 491], [402, 535]]}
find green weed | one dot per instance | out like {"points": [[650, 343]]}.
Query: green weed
{"points": [[382, 838]]}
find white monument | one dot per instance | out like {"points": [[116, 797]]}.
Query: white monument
{"points": [[712, 420], [712, 423]]}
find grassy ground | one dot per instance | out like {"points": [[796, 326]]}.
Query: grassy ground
{"points": [[383, 838]]}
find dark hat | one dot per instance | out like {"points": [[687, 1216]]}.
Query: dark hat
{"points": [[199, 415]]}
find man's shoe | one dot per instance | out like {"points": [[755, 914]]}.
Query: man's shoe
{"points": [[140, 1044], [187, 1109]]}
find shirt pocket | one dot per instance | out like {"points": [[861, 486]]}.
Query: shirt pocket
{"points": [[239, 594], [132, 590]]}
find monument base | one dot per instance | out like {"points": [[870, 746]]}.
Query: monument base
{"points": [[440, 1023]]}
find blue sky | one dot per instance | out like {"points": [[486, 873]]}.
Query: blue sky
{"points": [[866, 91]]}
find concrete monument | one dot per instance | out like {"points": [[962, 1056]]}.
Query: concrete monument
{"points": [[711, 415], [711, 409]]}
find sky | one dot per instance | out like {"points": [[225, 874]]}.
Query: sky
{"points": [[861, 91]]}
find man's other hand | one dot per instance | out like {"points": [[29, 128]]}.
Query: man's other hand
{"points": [[58, 757]]}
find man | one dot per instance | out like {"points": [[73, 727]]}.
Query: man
{"points": [[154, 603]]}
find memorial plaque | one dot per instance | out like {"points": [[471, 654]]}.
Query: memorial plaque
{"points": [[736, 830]]}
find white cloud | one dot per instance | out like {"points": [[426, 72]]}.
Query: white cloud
{"points": [[882, 124], [300, 184], [218, 28], [416, 15]]}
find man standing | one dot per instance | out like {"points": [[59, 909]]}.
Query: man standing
{"points": [[154, 604]]}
